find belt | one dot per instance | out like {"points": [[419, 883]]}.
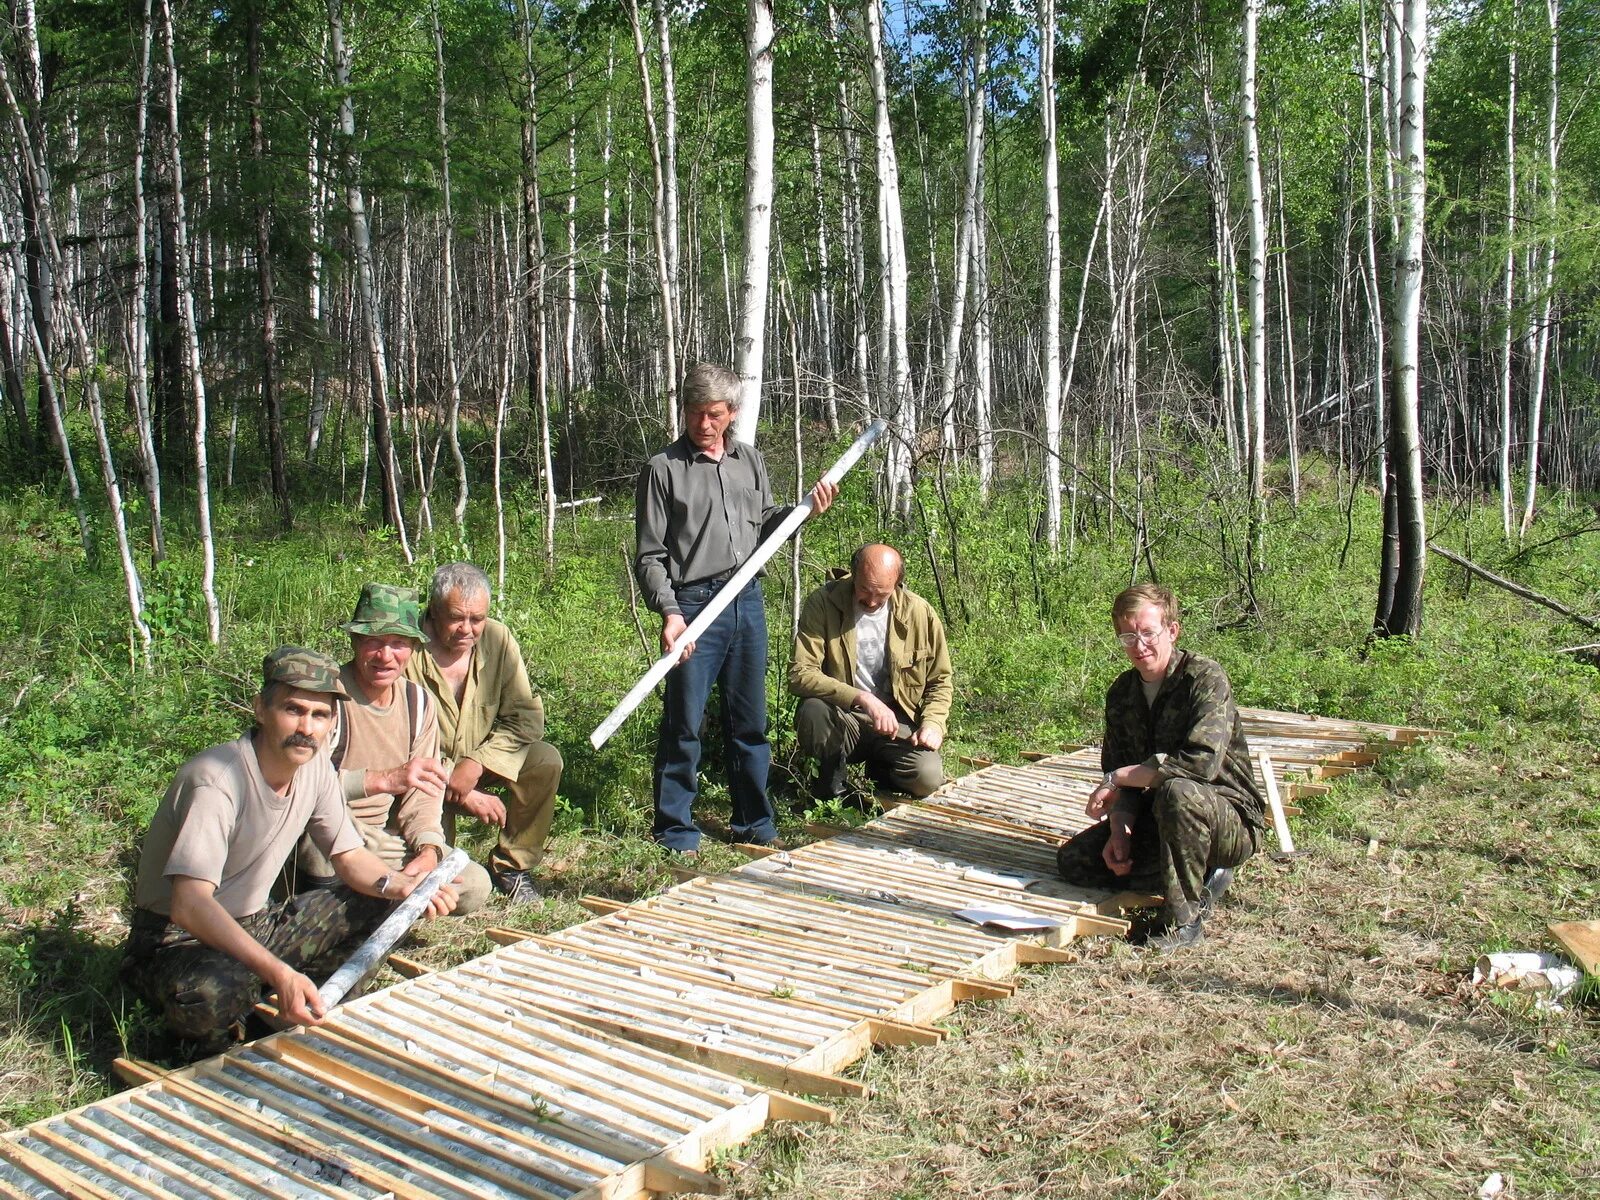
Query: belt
{"points": [[711, 580]]}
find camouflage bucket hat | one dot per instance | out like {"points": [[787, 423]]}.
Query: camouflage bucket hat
{"points": [[297, 667], [386, 609]]}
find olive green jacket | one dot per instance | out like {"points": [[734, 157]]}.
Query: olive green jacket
{"points": [[824, 662], [499, 716]]}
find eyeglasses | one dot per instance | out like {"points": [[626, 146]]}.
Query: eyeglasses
{"points": [[1143, 638]]}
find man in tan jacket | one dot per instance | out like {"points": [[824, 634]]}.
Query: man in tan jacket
{"points": [[491, 726], [872, 669]]}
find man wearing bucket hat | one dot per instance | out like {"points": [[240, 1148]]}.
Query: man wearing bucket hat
{"points": [[205, 939], [385, 745]]}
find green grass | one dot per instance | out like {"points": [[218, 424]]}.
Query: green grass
{"points": [[1321, 1043]]}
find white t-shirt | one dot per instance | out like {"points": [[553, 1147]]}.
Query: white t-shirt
{"points": [[872, 649], [220, 822]]}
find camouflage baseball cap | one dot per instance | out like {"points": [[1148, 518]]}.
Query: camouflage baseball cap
{"points": [[297, 667], [386, 609]]}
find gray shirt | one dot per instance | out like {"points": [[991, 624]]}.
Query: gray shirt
{"points": [[697, 517]]}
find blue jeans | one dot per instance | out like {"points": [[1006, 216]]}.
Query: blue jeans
{"points": [[733, 654]]}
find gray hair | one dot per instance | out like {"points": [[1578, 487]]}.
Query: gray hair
{"points": [[705, 384], [460, 577]]}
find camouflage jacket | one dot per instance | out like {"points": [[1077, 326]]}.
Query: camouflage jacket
{"points": [[1192, 731]]}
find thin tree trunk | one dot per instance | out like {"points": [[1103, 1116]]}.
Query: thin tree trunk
{"points": [[1258, 289], [1051, 400], [361, 248], [897, 400], [749, 348], [1541, 345], [664, 277], [191, 336], [1404, 614], [669, 173], [982, 342], [533, 257], [975, 92], [1509, 293], [138, 308], [447, 271], [830, 386], [271, 401]]}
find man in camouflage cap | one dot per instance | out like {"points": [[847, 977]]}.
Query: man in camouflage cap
{"points": [[385, 746], [1179, 798], [205, 941]]}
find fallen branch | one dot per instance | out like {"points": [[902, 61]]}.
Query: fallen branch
{"points": [[1516, 589]]}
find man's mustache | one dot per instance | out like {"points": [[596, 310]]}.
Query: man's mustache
{"points": [[301, 740]]}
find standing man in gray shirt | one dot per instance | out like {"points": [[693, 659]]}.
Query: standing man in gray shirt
{"points": [[703, 505]]}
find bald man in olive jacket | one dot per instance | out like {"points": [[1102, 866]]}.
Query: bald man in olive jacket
{"points": [[872, 669]]}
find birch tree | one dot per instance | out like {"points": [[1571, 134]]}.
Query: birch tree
{"points": [[894, 393], [1258, 283], [191, 333], [1051, 399], [1541, 344], [1400, 603], [750, 342], [366, 280]]}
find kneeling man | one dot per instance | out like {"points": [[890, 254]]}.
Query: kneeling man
{"points": [[205, 940], [385, 743], [872, 668], [1181, 803], [491, 726]]}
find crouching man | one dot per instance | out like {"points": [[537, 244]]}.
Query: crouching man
{"points": [[1180, 800], [872, 670], [205, 942]]}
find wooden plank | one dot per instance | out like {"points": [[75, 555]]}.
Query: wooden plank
{"points": [[409, 968], [298, 1143], [177, 1172], [1280, 823], [1582, 939], [51, 1173], [124, 1177], [135, 1071]]}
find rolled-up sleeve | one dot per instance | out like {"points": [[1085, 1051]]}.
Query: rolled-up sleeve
{"points": [[419, 816]]}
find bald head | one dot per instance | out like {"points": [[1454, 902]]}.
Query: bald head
{"points": [[875, 571]]}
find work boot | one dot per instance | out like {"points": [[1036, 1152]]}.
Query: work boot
{"points": [[1179, 937], [516, 886], [1216, 886], [831, 782]]}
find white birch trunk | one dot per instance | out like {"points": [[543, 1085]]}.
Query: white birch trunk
{"points": [[830, 385], [1405, 613], [664, 279], [982, 344], [898, 403], [1509, 279], [1051, 398], [1258, 284], [669, 172], [749, 348], [975, 89], [447, 271], [1541, 345], [191, 339], [138, 314]]}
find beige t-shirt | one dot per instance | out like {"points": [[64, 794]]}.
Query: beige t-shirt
{"points": [[219, 821], [378, 737]]}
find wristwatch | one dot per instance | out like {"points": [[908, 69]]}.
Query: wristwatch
{"points": [[1109, 780], [383, 884]]}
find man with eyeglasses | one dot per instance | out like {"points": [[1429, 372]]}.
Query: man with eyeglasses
{"points": [[1179, 798]]}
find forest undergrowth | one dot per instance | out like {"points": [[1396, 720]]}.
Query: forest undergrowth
{"points": [[1322, 1041]]}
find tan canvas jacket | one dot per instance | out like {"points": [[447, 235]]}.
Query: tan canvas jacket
{"points": [[824, 663], [499, 715]]}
